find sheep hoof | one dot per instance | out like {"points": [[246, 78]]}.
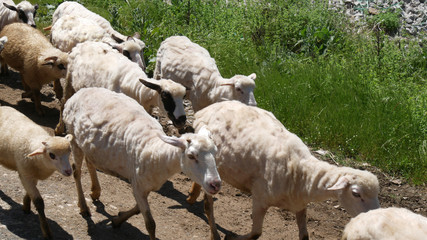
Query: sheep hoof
{"points": [[230, 236], [26, 95], [26, 211], [47, 235], [85, 213], [115, 222], [191, 200], [95, 196]]}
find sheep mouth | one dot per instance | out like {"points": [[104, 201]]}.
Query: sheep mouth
{"points": [[212, 190]]}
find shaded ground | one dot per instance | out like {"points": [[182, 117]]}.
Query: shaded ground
{"points": [[174, 217]]}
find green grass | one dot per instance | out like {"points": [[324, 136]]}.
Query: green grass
{"points": [[363, 96]]}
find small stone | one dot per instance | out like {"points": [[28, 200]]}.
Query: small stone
{"points": [[373, 11], [396, 181]]}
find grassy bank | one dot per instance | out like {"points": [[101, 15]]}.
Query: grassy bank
{"points": [[362, 95]]}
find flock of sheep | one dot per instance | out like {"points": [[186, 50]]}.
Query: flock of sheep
{"points": [[106, 101]]}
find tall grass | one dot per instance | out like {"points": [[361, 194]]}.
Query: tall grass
{"points": [[362, 95]]}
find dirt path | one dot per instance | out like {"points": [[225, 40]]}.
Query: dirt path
{"points": [[175, 218]]}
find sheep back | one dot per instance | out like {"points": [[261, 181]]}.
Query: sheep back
{"points": [[70, 30], [256, 153], [114, 122], [27, 50], [96, 64], [187, 62], [387, 224], [76, 9], [20, 136]]}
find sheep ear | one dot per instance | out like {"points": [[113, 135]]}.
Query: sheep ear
{"points": [[3, 39], [50, 60], [136, 35], [117, 39], [151, 85], [38, 151], [13, 8], [69, 137], [340, 184], [117, 47], [204, 131], [252, 76], [177, 142]]}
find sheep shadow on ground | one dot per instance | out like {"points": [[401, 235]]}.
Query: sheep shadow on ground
{"points": [[167, 190], [10, 95], [104, 230], [25, 226]]}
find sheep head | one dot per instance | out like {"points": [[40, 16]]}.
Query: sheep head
{"points": [[357, 191], [243, 88], [57, 151], [26, 12], [198, 158]]}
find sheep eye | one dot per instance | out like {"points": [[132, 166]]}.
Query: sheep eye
{"points": [[52, 156], [355, 194], [239, 90], [192, 157], [127, 54], [61, 66]]}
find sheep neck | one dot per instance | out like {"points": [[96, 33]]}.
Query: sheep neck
{"points": [[159, 161], [133, 88], [317, 177], [220, 92]]}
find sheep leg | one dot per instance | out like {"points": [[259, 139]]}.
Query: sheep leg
{"points": [[258, 214], [142, 201], [301, 218], [34, 194], [26, 206], [27, 90], [57, 88], [77, 173], [37, 102], [123, 216], [60, 127], [39, 203], [4, 69], [194, 193], [208, 206], [67, 93], [96, 187]]}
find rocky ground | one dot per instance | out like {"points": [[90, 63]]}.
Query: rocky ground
{"points": [[174, 217], [413, 12]]}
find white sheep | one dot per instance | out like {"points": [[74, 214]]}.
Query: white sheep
{"points": [[95, 64], [257, 154], [188, 63], [387, 224], [38, 62], [24, 12], [116, 135], [78, 10], [30, 150], [71, 29]]}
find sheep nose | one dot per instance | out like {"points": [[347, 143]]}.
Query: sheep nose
{"points": [[33, 25], [68, 172], [180, 122], [215, 185]]}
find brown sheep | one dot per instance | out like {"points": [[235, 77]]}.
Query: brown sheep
{"points": [[38, 62]]}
